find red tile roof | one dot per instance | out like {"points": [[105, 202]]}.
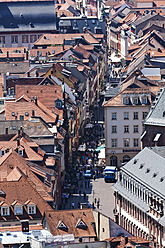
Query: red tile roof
{"points": [[71, 218]]}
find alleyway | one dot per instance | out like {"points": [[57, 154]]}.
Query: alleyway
{"points": [[97, 189]]}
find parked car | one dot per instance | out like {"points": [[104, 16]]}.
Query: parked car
{"points": [[88, 174]]}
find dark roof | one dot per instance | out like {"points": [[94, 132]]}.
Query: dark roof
{"points": [[90, 23], [27, 16], [156, 115]]}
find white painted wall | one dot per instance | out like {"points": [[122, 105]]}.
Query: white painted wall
{"points": [[120, 123]]}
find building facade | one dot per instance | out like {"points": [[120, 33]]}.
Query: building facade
{"points": [[124, 115], [140, 195]]}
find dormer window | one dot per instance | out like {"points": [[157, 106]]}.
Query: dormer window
{"points": [[81, 224], [18, 209], [20, 152], [13, 114], [58, 103], [61, 225], [31, 209], [5, 211], [144, 100], [26, 113], [135, 100], [126, 100]]}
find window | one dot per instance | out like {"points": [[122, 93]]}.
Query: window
{"points": [[114, 116], [126, 142], [14, 39], [126, 115], [33, 38], [21, 117], [2, 39], [135, 116], [114, 143], [1, 102], [5, 211], [144, 115], [13, 113], [32, 209], [126, 100], [135, 128], [26, 113], [58, 104], [144, 100], [114, 129], [136, 142], [135, 100], [18, 210], [24, 38], [126, 129], [20, 152]]}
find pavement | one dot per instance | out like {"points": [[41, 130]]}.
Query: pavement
{"points": [[97, 189]]}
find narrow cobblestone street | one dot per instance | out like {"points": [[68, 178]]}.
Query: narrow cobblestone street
{"points": [[97, 189]]}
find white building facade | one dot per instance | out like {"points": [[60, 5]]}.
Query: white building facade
{"points": [[124, 115], [140, 197]]}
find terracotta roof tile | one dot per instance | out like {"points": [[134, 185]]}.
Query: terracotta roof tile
{"points": [[15, 191], [24, 105], [70, 218]]}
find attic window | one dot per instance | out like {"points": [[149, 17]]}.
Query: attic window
{"points": [[39, 127], [135, 161], [27, 91], [141, 166], [81, 224], [2, 193], [29, 127], [61, 225], [148, 170], [144, 100], [126, 100], [13, 114], [161, 179], [135, 100], [26, 113]]}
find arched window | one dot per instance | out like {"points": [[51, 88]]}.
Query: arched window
{"points": [[126, 158], [113, 160]]}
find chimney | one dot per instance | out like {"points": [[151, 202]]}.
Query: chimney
{"points": [[63, 44], [26, 57], [33, 114], [4, 81], [25, 225], [28, 74], [7, 54], [149, 41], [50, 76], [126, 240], [35, 100], [18, 142]]}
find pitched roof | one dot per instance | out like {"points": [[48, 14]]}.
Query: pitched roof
{"points": [[70, 219], [46, 94], [13, 160], [29, 20], [24, 105], [21, 191], [58, 39], [156, 115]]}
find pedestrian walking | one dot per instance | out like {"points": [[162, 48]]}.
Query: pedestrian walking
{"points": [[93, 205], [89, 205], [98, 204], [94, 177], [95, 200], [88, 183], [84, 194], [73, 205]]}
